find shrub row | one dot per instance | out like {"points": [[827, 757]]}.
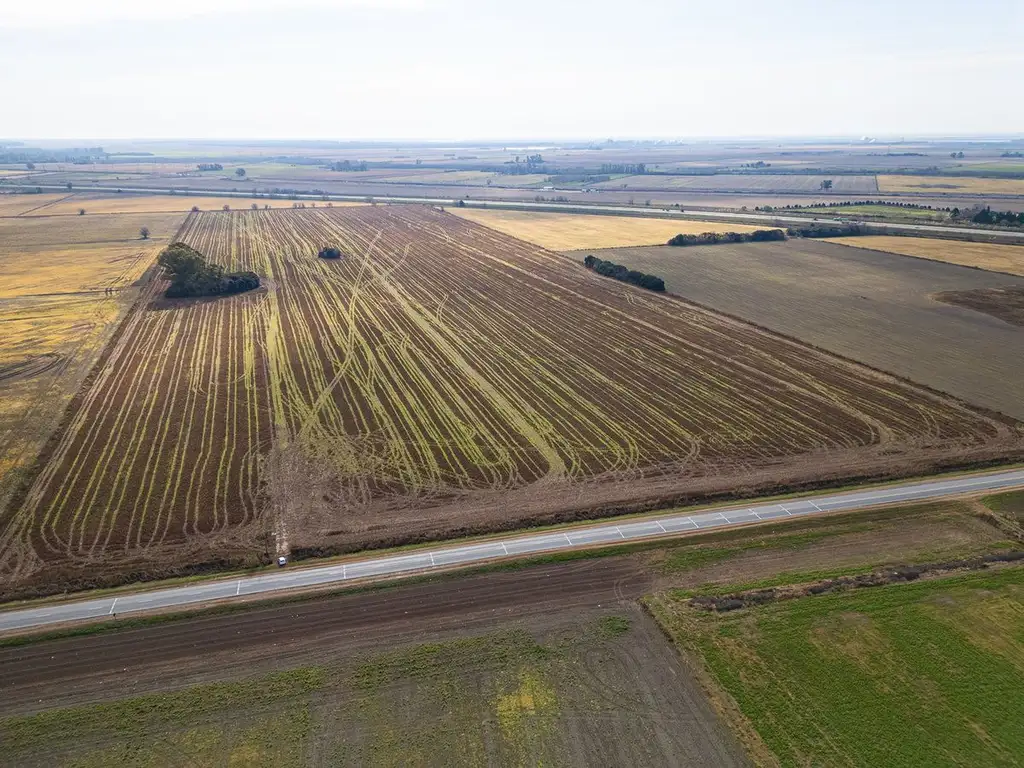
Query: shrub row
{"points": [[713, 238], [625, 274]]}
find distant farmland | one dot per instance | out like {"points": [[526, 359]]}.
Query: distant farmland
{"points": [[574, 231], [754, 182], [155, 203], [950, 185], [441, 377]]}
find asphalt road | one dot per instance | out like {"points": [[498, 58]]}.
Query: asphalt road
{"points": [[668, 213], [425, 560]]}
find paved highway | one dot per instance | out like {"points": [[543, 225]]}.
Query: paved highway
{"points": [[425, 560], [668, 213]]}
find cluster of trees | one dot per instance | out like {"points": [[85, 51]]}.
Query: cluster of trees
{"points": [[633, 168], [555, 199], [1012, 154], [532, 164], [957, 155], [329, 252], [826, 185], [625, 274], [192, 275], [209, 167], [827, 230], [758, 164], [348, 165], [1007, 218], [713, 238]]}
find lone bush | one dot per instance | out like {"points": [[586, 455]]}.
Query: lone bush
{"points": [[329, 252]]}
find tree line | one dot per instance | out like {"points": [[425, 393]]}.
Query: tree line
{"points": [[348, 165], [713, 238], [209, 167], [827, 230], [631, 168], [1006, 218], [625, 274], [192, 275]]}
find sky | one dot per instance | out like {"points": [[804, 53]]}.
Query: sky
{"points": [[495, 69]]}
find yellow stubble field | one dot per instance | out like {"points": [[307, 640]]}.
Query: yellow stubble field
{"points": [[950, 185], [571, 231], [64, 284], [990, 256], [169, 204]]}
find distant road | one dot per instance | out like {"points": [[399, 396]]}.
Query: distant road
{"points": [[496, 549], [667, 213]]}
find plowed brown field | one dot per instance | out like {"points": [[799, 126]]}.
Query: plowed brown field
{"points": [[440, 378]]}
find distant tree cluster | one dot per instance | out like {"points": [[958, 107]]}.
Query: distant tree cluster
{"points": [[827, 230], [520, 166], [957, 155], [192, 275], [631, 168], [348, 165], [209, 167], [758, 164], [713, 238], [625, 274], [1012, 154], [1006, 218], [329, 252]]}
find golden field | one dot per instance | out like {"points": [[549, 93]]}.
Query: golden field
{"points": [[16, 205], [72, 269], [168, 204], [950, 185], [63, 231], [59, 304], [990, 256], [572, 231]]}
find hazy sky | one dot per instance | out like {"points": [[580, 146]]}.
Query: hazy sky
{"points": [[503, 69]]}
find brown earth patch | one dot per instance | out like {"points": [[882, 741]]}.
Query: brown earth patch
{"points": [[1005, 303]]}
